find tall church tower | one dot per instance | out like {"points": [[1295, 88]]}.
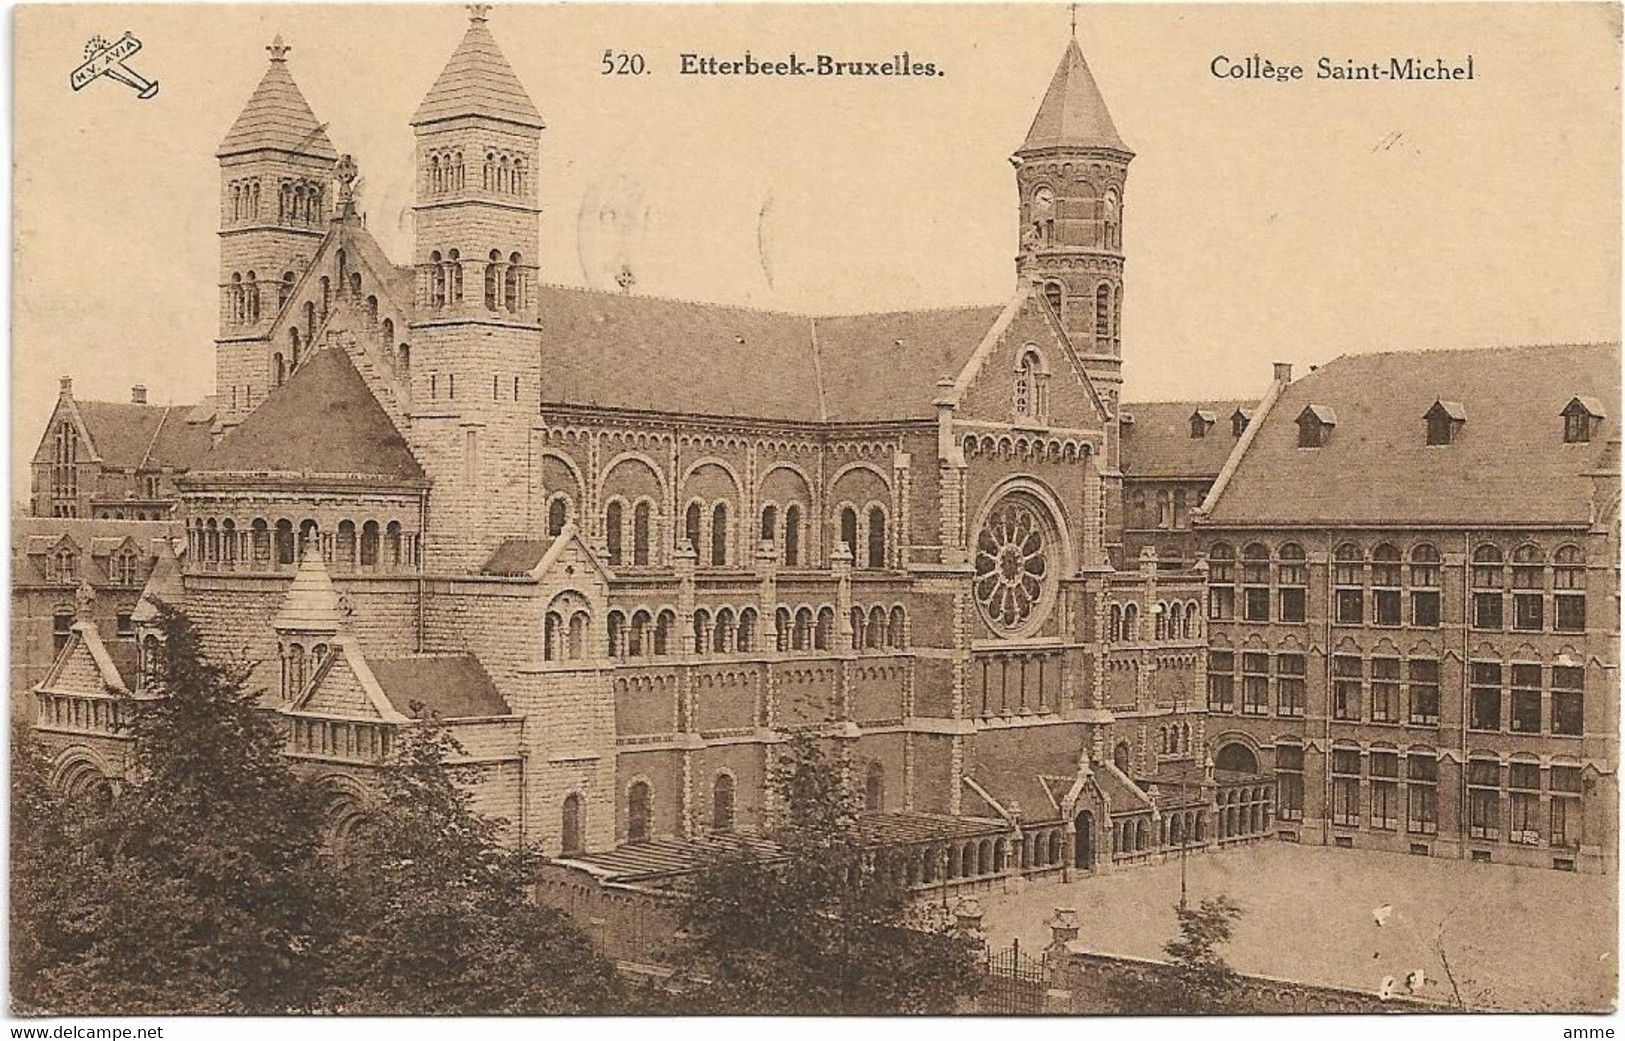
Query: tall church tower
{"points": [[1069, 174], [275, 167], [476, 354]]}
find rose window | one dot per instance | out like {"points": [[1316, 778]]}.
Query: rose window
{"points": [[1012, 564]]}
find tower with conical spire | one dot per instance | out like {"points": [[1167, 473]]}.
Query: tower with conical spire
{"points": [[476, 363], [275, 166], [1070, 173]]}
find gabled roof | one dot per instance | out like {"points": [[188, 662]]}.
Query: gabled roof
{"points": [[1073, 113], [477, 81], [448, 687], [1585, 402], [1378, 469], [277, 116], [618, 350], [130, 437], [1453, 409], [34, 536], [1159, 442], [323, 422], [516, 557]]}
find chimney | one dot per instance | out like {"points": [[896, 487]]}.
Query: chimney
{"points": [[67, 386], [138, 394], [1283, 372]]}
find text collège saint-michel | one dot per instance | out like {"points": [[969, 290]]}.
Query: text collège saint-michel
{"points": [[1257, 67]]}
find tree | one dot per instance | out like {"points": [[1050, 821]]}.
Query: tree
{"points": [[822, 925], [1197, 980], [438, 911], [200, 888]]}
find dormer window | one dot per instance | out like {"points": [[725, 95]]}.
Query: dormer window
{"points": [[1315, 425], [1238, 421], [1444, 422], [1580, 419], [1202, 421]]}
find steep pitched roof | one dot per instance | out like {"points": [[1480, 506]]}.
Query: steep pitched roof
{"points": [[450, 687], [32, 536], [1159, 443], [323, 421], [311, 604], [1509, 466], [477, 81], [619, 350], [277, 116], [1073, 113], [130, 436]]}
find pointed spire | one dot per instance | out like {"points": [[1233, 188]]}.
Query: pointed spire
{"points": [[477, 81], [277, 116], [1073, 113], [311, 604], [163, 584]]}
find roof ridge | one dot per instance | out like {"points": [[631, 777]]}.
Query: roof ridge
{"points": [[152, 443], [1554, 345], [780, 312]]}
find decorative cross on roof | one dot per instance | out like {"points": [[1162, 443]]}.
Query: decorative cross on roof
{"points": [[1074, 21], [478, 12], [278, 49]]}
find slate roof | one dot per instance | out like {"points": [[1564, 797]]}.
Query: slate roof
{"points": [[450, 687], [36, 535], [1159, 443], [516, 557], [1508, 465], [1073, 113], [277, 116], [619, 350], [477, 81], [670, 858], [323, 421], [1019, 785], [130, 437]]}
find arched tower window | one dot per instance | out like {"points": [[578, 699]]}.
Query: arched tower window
{"points": [[639, 812], [1103, 315], [691, 526], [1112, 229], [849, 528], [877, 537], [1055, 295], [492, 278], [722, 803], [874, 788], [558, 512], [719, 535], [570, 824], [512, 290], [612, 533], [1043, 214], [792, 535], [640, 534]]}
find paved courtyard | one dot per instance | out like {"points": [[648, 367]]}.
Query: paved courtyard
{"points": [[1515, 938]]}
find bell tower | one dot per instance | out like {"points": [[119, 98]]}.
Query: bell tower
{"points": [[275, 166], [1070, 173], [476, 338]]}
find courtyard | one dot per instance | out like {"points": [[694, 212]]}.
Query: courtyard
{"points": [[1514, 938]]}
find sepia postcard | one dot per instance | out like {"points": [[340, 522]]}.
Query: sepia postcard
{"points": [[855, 510]]}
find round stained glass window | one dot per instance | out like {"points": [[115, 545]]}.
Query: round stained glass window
{"points": [[1012, 564]]}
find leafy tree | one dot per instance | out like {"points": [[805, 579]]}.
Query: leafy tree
{"points": [[1197, 980], [437, 909], [198, 889], [825, 925]]}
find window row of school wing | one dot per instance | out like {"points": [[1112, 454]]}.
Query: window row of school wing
{"points": [[1517, 697], [1526, 593], [1384, 788], [262, 545]]}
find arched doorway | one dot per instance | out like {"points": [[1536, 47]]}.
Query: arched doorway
{"points": [[1083, 841]]}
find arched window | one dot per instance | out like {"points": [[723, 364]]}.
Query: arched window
{"points": [[570, 828], [664, 621], [1120, 756], [877, 537], [1131, 623], [826, 626], [1112, 227], [637, 635], [1114, 624], [284, 542], [492, 280], [615, 633], [722, 639], [719, 535], [801, 638], [722, 803], [640, 534], [558, 513], [781, 629], [1043, 214], [702, 631], [1055, 296], [552, 633], [874, 788], [858, 624], [770, 523], [392, 543], [437, 280], [849, 528], [639, 812], [260, 542], [691, 526], [279, 369], [369, 544], [896, 628], [1103, 315], [346, 544], [512, 290], [792, 535], [579, 623], [612, 532]]}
